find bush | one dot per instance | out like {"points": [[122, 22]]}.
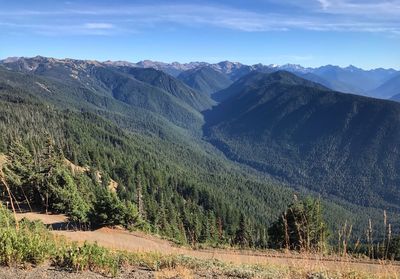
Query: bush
{"points": [[88, 257], [6, 219], [109, 210], [31, 243]]}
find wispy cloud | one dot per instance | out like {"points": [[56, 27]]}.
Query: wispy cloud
{"points": [[325, 4], [65, 29], [98, 26], [377, 9], [323, 15]]}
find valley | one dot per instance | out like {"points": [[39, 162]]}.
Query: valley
{"points": [[212, 156]]}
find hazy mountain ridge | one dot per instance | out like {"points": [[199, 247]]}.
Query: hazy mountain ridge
{"points": [[389, 88], [396, 98]]}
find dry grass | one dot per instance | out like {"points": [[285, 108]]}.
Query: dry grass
{"points": [[177, 272], [166, 261]]}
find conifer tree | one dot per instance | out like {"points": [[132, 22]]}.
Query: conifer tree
{"points": [[300, 227], [243, 234], [19, 172]]}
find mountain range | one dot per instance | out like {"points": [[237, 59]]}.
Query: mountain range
{"points": [[90, 84], [245, 137], [348, 79], [373, 83]]}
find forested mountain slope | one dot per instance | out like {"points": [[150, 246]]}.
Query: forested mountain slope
{"points": [[257, 79], [169, 84], [142, 128], [112, 92], [175, 181], [336, 144], [205, 79]]}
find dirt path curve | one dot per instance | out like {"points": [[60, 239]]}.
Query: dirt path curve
{"points": [[139, 242]]}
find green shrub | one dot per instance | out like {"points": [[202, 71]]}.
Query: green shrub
{"points": [[88, 257], [31, 243], [6, 219]]}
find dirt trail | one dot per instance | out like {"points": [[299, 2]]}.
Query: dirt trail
{"points": [[139, 242]]}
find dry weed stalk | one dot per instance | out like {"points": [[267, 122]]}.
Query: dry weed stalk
{"points": [[10, 196]]}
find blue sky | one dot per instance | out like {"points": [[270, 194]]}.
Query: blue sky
{"points": [[364, 33]]}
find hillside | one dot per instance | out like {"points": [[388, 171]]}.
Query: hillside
{"points": [[205, 79], [169, 84], [111, 92], [388, 89], [257, 79], [93, 74], [337, 144]]}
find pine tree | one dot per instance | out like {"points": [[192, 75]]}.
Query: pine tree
{"points": [[243, 234], [68, 199], [19, 172], [108, 210], [301, 227], [261, 239], [49, 161], [139, 191]]}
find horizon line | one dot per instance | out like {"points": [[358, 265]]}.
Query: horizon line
{"points": [[207, 62]]}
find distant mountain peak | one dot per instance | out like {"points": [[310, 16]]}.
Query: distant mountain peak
{"points": [[295, 68], [352, 68]]}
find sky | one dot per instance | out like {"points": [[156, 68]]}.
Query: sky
{"points": [[364, 33]]}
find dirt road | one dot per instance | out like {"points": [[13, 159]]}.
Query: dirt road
{"points": [[140, 242]]}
